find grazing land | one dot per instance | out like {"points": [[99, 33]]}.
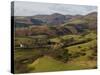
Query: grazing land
{"points": [[53, 43]]}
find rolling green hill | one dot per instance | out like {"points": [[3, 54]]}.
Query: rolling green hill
{"points": [[47, 63]]}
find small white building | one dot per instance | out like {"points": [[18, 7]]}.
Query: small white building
{"points": [[21, 45]]}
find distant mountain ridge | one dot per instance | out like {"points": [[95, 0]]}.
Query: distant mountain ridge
{"points": [[53, 19]]}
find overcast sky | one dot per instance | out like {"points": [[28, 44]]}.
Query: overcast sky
{"points": [[22, 8]]}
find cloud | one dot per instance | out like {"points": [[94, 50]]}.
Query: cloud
{"points": [[22, 8]]}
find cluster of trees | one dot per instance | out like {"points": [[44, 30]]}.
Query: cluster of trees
{"points": [[33, 43], [60, 54]]}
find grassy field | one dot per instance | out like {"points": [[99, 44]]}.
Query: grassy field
{"points": [[47, 63], [82, 61], [82, 54]]}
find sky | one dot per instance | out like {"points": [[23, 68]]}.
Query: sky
{"points": [[22, 8]]}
